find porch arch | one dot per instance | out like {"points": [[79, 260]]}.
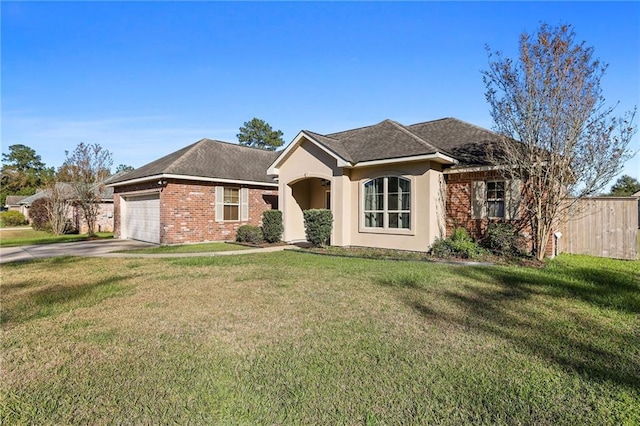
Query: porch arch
{"points": [[303, 193]]}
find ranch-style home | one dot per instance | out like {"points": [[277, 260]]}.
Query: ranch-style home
{"points": [[387, 185]]}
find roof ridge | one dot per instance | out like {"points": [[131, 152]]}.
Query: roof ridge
{"points": [[414, 136], [473, 125], [455, 119], [431, 121], [233, 144]]}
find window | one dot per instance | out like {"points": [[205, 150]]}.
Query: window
{"points": [[387, 203], [231, 203], [495, 199]]}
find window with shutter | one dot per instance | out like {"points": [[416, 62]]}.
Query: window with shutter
{"points": [[499, 199], [231, 204]]}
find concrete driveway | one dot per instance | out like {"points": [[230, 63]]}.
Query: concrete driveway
{"points": [[82, 248]]}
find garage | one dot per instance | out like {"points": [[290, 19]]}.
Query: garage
{"points": [[141, 218]]}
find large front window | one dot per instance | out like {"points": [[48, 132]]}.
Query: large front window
{"points": [[387, 203]]}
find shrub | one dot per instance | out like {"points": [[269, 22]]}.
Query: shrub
{"points": [[12, 218], [249, 234], [502, 239], [39, 213], [272, 225], [459, 244], [318, 224]]}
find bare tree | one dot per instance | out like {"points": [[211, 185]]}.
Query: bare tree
{"points": [[87, 167], [569, 143], [58, 207]]}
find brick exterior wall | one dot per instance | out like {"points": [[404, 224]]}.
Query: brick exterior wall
{"points": [[104, 220], [187, 210], [458, 208]]}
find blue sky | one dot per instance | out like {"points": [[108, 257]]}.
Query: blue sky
{"points": [[144, 79]]}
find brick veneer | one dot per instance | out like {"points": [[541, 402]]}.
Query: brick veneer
{"points": [[187, 210], [458, 208]]}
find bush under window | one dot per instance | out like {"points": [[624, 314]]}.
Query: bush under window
{"points": [[249, 234], [459, 244], [503, 239]]}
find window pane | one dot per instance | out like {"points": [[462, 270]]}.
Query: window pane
{"points": [[393, 220], [374, 186], [495, 190], [231, 213], [399, 220], [405, 185], [392, 184], [373, 194], [231, 196], [373, 220], [404, 220], [405, 201], [393, 201], [373, 202], [495, 208]]}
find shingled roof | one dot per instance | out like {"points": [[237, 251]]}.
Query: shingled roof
{"points": [[209, 159], [67, 191], [388, 139], [467, 143]]}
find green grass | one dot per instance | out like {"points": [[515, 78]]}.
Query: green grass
{"points": [[190, 248], [28, 236], [290, 338]]}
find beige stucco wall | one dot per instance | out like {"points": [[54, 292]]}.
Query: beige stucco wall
{"points": [[301, 172], [300, 175], [427, 200]]}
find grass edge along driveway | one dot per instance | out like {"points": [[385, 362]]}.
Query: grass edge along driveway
{"points": [[288, 338]]}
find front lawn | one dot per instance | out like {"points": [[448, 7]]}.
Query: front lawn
{"points": [[190, 248], [290, 338], [28, 236]]}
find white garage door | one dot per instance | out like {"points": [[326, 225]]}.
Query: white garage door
{"points": [[142, 218]]}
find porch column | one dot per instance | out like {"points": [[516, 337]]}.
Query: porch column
{"points": [[342, 201]]}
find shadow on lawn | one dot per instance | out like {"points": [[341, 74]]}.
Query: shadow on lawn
{"points": [[53, 299], [534, 310]]}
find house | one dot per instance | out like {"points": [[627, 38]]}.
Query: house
{"points": [[203, 192], [395, 186], [13, 203], [388, 185], [104, 220]]}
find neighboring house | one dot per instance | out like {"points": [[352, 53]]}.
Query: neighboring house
{"points": [[395, 186], [13, 203], [104, 221], [202, 192]]}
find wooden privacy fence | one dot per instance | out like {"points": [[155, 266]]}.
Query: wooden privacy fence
{"points": [[603, 227]]}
